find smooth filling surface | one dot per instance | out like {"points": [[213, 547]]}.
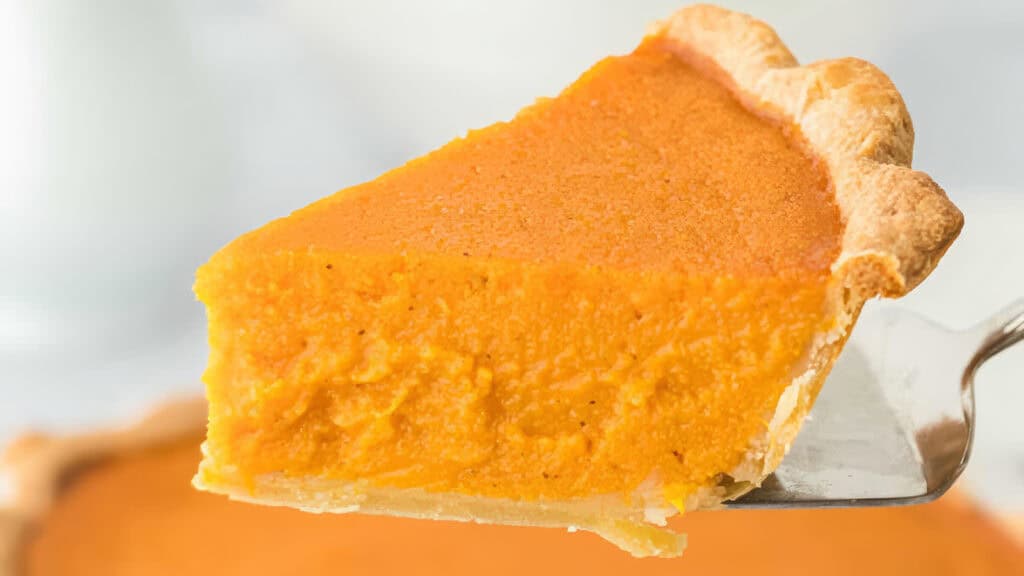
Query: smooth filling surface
{"points": [[646, 162], [611, 290], [137, 515]]}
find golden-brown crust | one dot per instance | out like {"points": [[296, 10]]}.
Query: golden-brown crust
{"points": [[610, 516], [897, 223], [38, 464]]}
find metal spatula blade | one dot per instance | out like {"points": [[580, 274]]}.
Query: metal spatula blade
{"points": [[894, 421]]}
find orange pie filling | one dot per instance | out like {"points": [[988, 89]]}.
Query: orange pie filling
{"points": [[610, 292]]}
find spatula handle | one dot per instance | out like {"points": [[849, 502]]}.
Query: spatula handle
{"points": [[1004, 329], [1007, 329]]}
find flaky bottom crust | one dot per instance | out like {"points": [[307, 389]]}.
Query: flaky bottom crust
{"points": [[609, 516]]}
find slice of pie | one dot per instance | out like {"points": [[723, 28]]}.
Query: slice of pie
{"points": [[119, 503], [618, 305]]}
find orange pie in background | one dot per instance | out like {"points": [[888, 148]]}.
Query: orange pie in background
{"points": [[120, 504], [617, 306]]}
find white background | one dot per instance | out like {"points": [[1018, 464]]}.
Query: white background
{"points": [[138, 137]]}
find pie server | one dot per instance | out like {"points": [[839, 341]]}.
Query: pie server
{"points": [[893, 423]]}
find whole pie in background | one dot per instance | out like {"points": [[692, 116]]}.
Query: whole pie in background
{"points": [[615, 307], [120, 503]]}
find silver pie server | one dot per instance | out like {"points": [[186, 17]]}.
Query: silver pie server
{"points": [[894, 421]]}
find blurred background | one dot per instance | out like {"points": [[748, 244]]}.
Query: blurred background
{"points": [[136, 138]]}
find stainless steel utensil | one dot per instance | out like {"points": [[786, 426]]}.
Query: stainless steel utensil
{"points": [[895, 419]]}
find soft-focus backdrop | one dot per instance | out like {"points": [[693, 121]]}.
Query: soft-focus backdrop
{"points": [[138, 137]]}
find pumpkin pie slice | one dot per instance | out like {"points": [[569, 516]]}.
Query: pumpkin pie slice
{"points": [[616, 306]]}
